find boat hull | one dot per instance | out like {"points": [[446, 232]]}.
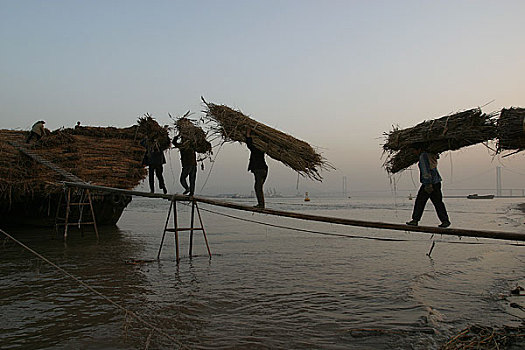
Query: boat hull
{"points": [[42, 211]]}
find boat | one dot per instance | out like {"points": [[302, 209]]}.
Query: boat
{"points": [[477, 196], [306, 198], [31, 192]]}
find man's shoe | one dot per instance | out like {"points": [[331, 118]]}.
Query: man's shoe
{"points": [[259, 206], [444, 224], [186, 192], [412, 223], [164, 190]]}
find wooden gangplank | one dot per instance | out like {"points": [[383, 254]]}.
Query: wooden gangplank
{"points": [[510, 236], [41, 160]]}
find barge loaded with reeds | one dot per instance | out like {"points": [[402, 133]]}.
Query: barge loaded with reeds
{"points": [[30, 191]]}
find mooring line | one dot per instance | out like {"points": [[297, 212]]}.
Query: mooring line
{"points": [[128, 312]]}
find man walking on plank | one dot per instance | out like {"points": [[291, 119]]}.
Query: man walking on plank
{"points": [[430, 187]]}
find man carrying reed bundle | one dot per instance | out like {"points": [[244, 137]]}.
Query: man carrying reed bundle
{"points": [[448, 133], [155, 160], [430, 186], [192, 141], [188, 159], [231, 126], [258, 167]]}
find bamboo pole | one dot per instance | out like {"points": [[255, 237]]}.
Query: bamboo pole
{"points": [[510, 236]]}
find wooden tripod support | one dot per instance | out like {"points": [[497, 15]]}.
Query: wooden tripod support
{"points": [[176, 229], [84, 200]]}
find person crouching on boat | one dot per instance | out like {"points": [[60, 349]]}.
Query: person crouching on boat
{"points": [[37, 130], [188, 159], [154, 159], [258, 167], [430, 187]]}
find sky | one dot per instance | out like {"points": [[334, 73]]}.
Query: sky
{"points": [[336, 74]]}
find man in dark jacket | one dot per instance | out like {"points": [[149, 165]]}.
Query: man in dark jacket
{"points": [[258, 167], [188, 159], [154, 159], [430, 187]]}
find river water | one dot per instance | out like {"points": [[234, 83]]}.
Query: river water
{"points": [[265, 287]]}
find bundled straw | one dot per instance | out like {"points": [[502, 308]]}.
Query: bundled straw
{"points": [[482, 337], [294, 153], [511, 129], [188, 131], [156, 136], [447, 133]]}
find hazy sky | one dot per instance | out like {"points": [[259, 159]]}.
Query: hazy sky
{"points": [[337, 74]]}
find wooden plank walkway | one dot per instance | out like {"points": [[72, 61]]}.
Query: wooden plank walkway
{"points": [[41, 160], [510, 236]]}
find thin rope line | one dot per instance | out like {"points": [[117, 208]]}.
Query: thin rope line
{"points": [[302, 230], [344, 235], [128, 312], [212, 164]]}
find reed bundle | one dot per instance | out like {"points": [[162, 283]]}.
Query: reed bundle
{"points": [[511, 129], [188, 131], [482, 337], [231, 125], [155, 135], [447, 133]]}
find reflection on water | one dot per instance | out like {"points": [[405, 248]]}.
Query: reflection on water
{"points": [[265, 287]]}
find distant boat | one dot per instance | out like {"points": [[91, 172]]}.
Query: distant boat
{"points": [[306, 198], [410, 196], [477, 196]]}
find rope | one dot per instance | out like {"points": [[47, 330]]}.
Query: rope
{"points": [[128, 312], [212, 164], [303, 230]]}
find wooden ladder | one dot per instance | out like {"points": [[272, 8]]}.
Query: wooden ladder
{"points": [[59, 221], [83, 200], [176, 229]]}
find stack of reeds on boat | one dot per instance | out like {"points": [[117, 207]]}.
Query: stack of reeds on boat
{"points": [[232, 125], [447, 133], [103, 156], [192, 136], [511, 130]]}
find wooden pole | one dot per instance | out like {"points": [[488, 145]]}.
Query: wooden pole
{"points": [[176, 227], [203, 231], [67, 212], [193, 203], [165, 228], [510, 236], [92, 212], [57, 215]]}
